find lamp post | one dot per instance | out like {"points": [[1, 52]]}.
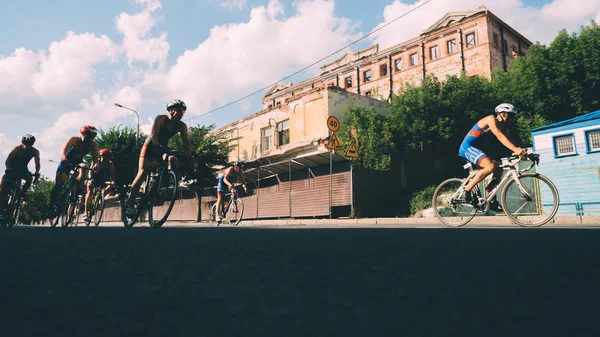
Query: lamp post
{"points": [[137, 139]]}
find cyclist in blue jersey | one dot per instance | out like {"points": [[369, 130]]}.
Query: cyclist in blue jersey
{"points": [[224, 184], [71, 155], [497, 125]]}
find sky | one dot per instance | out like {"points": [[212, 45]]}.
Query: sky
{"points": [[64, 63]]}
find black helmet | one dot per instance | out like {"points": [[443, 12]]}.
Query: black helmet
{"points": [[28, 140], [176, 103]]}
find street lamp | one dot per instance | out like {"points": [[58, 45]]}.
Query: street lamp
{"points": [[137, 139]]}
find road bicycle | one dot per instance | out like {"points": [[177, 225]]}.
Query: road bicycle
{"points": [[160, 187], [529, 199], [14, 200], [96, 208], [232, 210], [73, 198]]}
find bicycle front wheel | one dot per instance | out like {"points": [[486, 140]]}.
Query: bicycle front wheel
{"points": [[531, 200], [69, 209], [449, 205], [11, 214], [235, 212], [98, 207], [163, 199]]}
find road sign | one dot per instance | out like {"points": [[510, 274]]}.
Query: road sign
{"points": [[333, 123], [351, 152], [334, 143]]}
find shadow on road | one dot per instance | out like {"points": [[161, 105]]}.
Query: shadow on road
{"points": [[298, 282]]}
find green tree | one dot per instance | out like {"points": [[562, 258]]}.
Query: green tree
{"points": [[209, 149], [125, 146], [371, 133], [38, 198]]}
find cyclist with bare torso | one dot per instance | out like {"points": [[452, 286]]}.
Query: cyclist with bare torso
{"points": [[71, 155], [497, 125], [155, 147], [16, 168]]}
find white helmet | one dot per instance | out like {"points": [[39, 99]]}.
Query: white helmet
{"points": [[506, 107]]}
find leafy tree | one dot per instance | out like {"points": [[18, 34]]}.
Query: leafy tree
{"points": [[123, 142], [38, 198], [209, 149], [371, 133]]}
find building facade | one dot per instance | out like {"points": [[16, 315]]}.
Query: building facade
{"points": [[473, 42], [570, 156]]}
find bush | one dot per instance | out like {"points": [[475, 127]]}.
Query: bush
{"points": [[421, 199]]}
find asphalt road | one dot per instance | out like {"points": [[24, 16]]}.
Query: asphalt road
{"points": [[299, 282]]}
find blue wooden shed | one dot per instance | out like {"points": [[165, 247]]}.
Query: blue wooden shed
{"points": [[570, 156]]}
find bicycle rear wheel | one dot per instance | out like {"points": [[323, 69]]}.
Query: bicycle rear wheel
{"points": [[213, 215], [235, 212], [162, 199], [535, 204], [11, 214], [449, 205]]}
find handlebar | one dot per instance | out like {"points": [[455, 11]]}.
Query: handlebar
{"points": [[533, 157]]}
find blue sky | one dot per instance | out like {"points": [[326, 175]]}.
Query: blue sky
{"points": [[64, 63]]}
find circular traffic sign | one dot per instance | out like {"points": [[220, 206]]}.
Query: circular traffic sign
{"points": [[333, 123]]}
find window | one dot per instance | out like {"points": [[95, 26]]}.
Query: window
{"points": [[564, 145], [496, 41], [593, 140], [470, 40], [414, 59], [348, 81], [367, 75], [398, 64], [451, 46], [433, 52], [265, 138], [283, 132], [368, 93], [383, 70]]}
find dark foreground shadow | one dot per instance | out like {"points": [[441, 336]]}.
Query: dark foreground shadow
{"points": [[298, 282]]}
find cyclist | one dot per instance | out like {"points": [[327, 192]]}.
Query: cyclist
{"points": [[101, 175], [155, 147], [224, 184], [71, 155], [16, 169], [498, 125]]}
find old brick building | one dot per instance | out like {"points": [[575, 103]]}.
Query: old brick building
{"points": [[292, 171]]}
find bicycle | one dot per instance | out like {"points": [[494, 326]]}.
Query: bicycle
{"points": [[96, 209], [14, 200], [73, 201], [157, 189], [232, 209], [519, 188]]}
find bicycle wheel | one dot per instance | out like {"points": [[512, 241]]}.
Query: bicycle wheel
{"points": [[69, 210], [98, 207], [163, 196], [235, 212], [449, 205], [531, 201], [11, 210]]}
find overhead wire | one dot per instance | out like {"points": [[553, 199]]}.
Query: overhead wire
{"points": [[310, 65]]}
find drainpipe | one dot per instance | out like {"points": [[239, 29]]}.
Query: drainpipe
{"points": [[462, 51], [358, 80], [257, 188], [519, 46], [502, 42], [423, 58], [391, 79]]}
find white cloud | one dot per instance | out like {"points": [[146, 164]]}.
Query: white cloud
{"points": [[66, 71], [238, 58], [6, 145], [536, 24], [137, 44], [232, 4], [15, 77]]}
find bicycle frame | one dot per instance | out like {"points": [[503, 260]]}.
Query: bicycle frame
{"points": [[512, 173]]}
